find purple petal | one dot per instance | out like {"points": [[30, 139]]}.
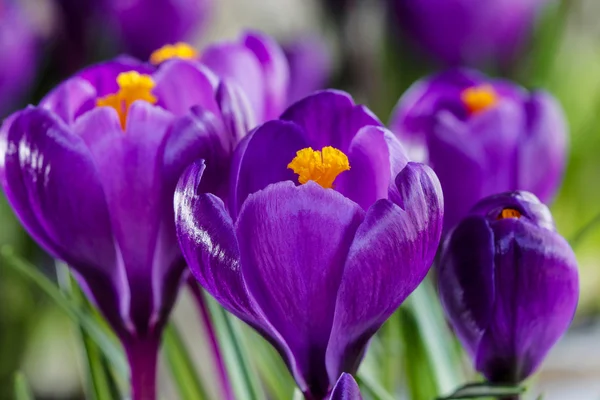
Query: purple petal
{"points": [[236, 110], [103, 76], [542, 154], [275, 72], [293, 244], [330, 118], [181, 84], [70, 99], [375, 156], [346, 389], [238, 64], [262, 158], [466, 280], [536, 296], [391, 254], [130, 168], [53, 185]]}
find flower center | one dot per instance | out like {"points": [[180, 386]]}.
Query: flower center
{"points": [[132, 87], [168, 51], [479, 98], [509, 213], [321, 167]]}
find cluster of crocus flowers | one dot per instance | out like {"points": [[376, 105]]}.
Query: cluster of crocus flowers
{"points": [[482, 136], [468, 32], [509, 284], [92, 170], [328, 229]]}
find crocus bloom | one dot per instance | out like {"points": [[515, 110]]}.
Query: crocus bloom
{"points": [[468, 32], [346, 389], [508, 282], [483, 136], [310, 66], [310, 251], [145, 25], [18, 43], [254, 62], [91, 174]]}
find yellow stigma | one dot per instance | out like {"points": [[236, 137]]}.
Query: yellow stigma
{"points": [[319, 166], [168, 51], [132, 87], [509, 213], [479, 98]]}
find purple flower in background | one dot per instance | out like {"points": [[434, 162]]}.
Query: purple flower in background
{"points": [[145, 25], [346, 389], [310, 66], [254, 62], [315, 267], [91, 174], [482, 136], [468, 32], [18, 48], [509, 285]]}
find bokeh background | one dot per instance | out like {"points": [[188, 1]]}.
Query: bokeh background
{"points": [[359, 49]]}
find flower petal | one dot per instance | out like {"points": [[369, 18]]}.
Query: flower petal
{"points": [[103, 76], [70, 99], [375, 156], [468, 256], [53, 185], [275, 70], [181, 84], [391, 254], [262, 159], [346, 389], [236, 110], [293, 245], [537, 290], [330, 118]]}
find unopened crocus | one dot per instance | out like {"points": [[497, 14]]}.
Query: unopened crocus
{"points": [[310, 251], [509, 285], [142, 26], [254, 62], [468, 32], [18, 48], [91, 173], [483, 136], [346, 388]]}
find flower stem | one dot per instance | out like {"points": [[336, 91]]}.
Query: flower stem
{"points": [[142, 355], [212, 339]]}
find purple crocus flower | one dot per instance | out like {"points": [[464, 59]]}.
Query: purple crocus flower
{"points": [[145, 25], [346, 389], [91, 173], [509, 285], [468, 32], [315, 267], [483, 136], [18, 45]]}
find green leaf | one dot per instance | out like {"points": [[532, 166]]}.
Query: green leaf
{"points": [[107, 343], [242, 373], [22, 390], [484, 389], [371, 386], [181, 366], [440, 348]]}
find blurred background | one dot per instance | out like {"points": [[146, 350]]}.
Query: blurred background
{"points": [[368, 47]]}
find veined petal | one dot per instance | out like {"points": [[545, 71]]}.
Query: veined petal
{"points": [[294, 241], [346, 389], [536, 297], [70, 99], [391, 254], [375, 157], [330, 118], [262, 159], [236, 110], [52, 184]]}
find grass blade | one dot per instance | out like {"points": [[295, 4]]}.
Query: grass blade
{"points": [[22, 390]]}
